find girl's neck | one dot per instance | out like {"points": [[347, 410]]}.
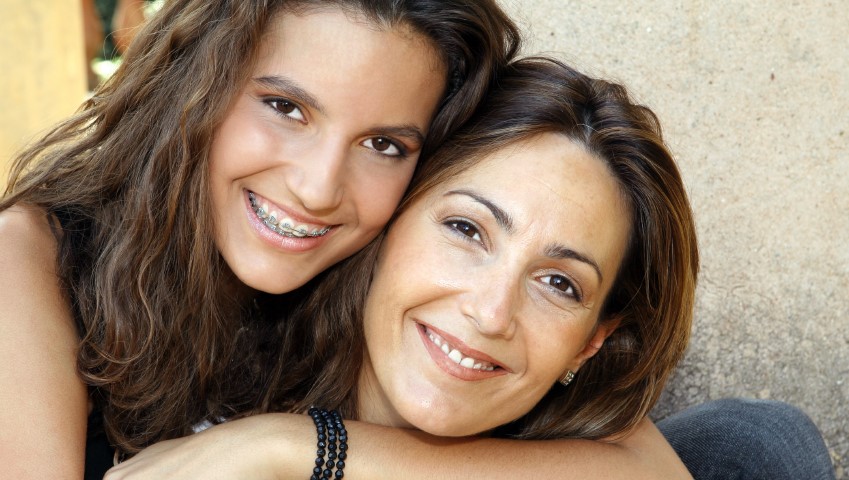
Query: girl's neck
{"points": [[236, 289]]}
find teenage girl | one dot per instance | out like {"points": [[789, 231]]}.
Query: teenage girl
{"points": [[242, 147]]}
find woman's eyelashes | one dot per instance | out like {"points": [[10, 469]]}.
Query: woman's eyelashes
{"points": [[286, 108], [562, 285], [465, 228]]}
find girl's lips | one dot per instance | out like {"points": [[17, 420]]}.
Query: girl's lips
{"points": [[282, 242], [284, 218], [461, 361]]}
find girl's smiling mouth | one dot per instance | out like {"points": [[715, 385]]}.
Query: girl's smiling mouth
{"points": [[279, 222]]}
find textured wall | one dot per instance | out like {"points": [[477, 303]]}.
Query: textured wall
{"points": [[42, 69], [754, 97]]}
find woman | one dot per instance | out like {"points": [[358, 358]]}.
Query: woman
{"points": [[242, 146], [646, 316]]}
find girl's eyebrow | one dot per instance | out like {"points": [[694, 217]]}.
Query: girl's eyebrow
{"points": [[287, 85], [283, 84], [506, 222]]}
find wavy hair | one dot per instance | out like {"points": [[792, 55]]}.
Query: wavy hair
{"points": [[652, 295], [163, 343]]}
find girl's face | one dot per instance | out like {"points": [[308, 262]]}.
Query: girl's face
{"points": [[489, 288], [317, 149]]}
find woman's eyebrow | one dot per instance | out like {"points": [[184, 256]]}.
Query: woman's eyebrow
{"points": [[501, 217], [561, 251], [283, 84]]}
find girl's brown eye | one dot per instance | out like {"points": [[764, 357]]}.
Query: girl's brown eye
{"points": [[381, 144], [384, 146], [286, 106]]}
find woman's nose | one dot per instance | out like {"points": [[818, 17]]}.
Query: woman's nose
{"points": [[492, 304]]}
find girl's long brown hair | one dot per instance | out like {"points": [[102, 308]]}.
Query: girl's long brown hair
{"points": [[653, 293], [163, 343]]}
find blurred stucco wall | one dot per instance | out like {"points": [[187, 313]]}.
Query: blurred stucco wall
{"points": [[42, 69], [754, 98]]}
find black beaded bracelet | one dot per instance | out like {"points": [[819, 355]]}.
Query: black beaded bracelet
{"points": [[332, 436]]}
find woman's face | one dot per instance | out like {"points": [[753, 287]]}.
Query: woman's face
{"points": [[489, 288], [318, 147]]}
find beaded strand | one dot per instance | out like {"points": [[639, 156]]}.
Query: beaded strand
{"points": [[332, 436]]}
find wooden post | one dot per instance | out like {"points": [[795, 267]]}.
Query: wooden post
{"points": [[42, 70]]}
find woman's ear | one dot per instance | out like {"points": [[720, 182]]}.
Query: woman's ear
{"points": [[605, 329]]}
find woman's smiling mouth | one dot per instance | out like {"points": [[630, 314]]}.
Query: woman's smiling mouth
{"points": [[455, 355], [456, 358]]}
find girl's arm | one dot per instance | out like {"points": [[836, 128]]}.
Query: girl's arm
{"points": [[282, 446], [43, 403]]}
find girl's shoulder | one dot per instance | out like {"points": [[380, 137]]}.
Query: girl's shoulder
{"points": [[28, 239], [46, 406]]}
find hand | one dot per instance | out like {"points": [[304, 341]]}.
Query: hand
{"points": [[259, 447]]}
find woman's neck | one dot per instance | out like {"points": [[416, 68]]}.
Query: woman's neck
{"points": [[372, 404]]}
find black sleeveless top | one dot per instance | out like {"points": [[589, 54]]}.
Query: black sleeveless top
{"points": [[99, 453]]}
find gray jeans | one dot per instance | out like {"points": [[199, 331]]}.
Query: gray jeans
{"points": [[748, 439]]}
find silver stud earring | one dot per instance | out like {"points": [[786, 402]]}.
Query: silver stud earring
{"points": [[567, 378]]}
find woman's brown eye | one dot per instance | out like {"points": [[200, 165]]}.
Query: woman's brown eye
{"points": [[559, 283], [465, 228]]}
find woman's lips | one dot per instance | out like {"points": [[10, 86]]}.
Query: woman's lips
{"points": [[456, 358]]}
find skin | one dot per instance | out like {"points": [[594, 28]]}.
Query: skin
{"points": [[314, 146], [319, 152], [43, 403], [473, 265]]}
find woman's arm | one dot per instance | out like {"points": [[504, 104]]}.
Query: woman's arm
{"points": [[282, 446], [43, 403]]}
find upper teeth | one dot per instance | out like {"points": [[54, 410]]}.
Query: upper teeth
{"points": [[458, 357], [283, 225]]}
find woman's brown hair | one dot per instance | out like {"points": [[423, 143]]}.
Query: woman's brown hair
{"points": [[652, 295], [163, 342]]}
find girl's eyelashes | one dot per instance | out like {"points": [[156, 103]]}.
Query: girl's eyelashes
{"points": [[465, 228], [562, 285], [385, 146], [382, 145], [286, 108]]}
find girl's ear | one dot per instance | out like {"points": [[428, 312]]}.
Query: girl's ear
{"points": [[605, 329]]}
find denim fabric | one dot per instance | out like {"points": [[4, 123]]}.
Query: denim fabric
{"points": [[748, 439]]}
